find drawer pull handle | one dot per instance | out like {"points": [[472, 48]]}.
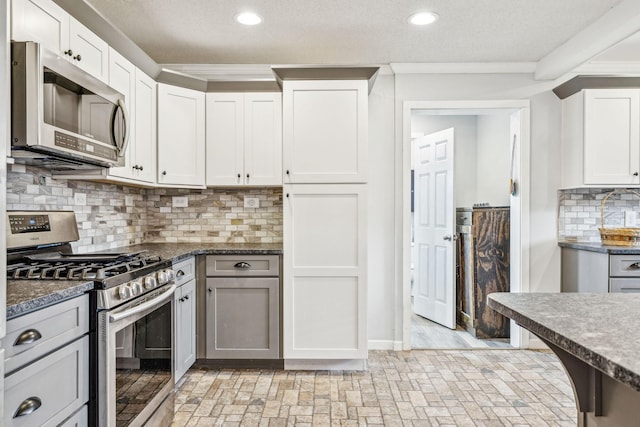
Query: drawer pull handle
{"points": [[179, 274], [28, 406], [243, 265], [634, 266], [28, 337]]}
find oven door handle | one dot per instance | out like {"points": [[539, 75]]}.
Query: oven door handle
{"points": [[144, 306]]}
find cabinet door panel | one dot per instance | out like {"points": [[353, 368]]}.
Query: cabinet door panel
{"points": [[144, 132], [181, 140], [40, 21], [325, 131], [90, 52], [263, 139], [243, 318], [324, 290], [185, 328], [612, 136], [122, 78], [225, 136]]}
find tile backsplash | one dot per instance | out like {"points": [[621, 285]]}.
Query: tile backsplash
{"points": [[111, 216], [579, 212]]}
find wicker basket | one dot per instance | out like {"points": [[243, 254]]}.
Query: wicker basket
{"points": [[619, 236]]}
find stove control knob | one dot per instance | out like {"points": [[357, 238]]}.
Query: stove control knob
{"points": [[150, 282], [136, 288], [162, 277], [171, 275], [166, 276], [124, 291]]}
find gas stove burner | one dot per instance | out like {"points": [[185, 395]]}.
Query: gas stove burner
{"points": [[84, 267]]}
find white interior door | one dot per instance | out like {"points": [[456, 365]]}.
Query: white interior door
{"points": [[434, 228]]}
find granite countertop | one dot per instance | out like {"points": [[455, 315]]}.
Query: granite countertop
{"points": [[24, 296], [598, 247], [602, 330]]}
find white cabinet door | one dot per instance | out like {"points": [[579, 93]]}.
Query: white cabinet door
{"points": [[144, 133], [324, 288], [263, 138], [122, 77], [325, 131], [244, 139], [90, 52], [40, 21], [225, 138], [611, 136], [185, 328], [181, 140]]}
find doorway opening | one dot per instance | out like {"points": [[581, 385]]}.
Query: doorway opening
{"points": [[460, 159]]}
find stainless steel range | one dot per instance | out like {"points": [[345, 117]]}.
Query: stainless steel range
{"points": [[132, 329]]}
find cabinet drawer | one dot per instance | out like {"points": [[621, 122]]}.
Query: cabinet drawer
{"points": [[624, 265], [57, 384], [243, 265], [624, 285], [79, 419], [35, 334], [185, 270]]}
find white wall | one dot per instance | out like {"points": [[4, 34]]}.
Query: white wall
{"points": [[385, 181], [493, 160], [465, 159]]}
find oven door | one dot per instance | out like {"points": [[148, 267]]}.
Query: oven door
{"points": [[136, 359]]}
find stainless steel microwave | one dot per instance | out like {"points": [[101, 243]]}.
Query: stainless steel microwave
{"points": [[62, 117]]}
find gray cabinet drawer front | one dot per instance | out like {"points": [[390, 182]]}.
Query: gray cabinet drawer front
{"points": [[625, 285], [624, 265], [185, 270], [243, 265], [55, 326], [59, 381], [243, 318]]}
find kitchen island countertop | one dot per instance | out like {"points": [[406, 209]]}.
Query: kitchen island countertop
{"points": [[597, 339], [25, 296], [599, 247]]}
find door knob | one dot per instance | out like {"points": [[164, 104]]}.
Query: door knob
{"points": [[450, 238]]}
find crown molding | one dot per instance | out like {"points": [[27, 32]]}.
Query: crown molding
{"points": [[225, 72], [610, 68], [463, 67]]}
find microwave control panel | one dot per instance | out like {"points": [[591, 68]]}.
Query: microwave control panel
{"points": [[76, 144]]}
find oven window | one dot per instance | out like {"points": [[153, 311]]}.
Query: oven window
{"points": [[143, 362]]}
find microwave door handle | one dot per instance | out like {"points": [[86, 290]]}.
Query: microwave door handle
{"points": [[122, 145]]}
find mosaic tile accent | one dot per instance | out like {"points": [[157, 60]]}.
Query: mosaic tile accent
{"points": [[214, 216], [110, 216], [405, 388], [579, 212]]}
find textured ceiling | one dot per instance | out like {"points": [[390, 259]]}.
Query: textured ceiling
{"points": [[347, 32]]}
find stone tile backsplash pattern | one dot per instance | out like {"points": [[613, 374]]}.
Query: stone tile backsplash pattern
{"points": [[111, 216], [579, 212]]}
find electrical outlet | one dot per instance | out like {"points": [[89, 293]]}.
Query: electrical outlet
{"points": [[180, 201], [251, 202]]}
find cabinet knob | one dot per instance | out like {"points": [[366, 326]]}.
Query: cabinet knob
{"points": [[287, 195], [186, 297], [140, 168], [635, 174], [68, 52], [239, 176], [248, 176], [164, 173], [287, 172], [210, 290], [77, 58]]}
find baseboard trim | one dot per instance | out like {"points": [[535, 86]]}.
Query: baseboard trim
{"points": [[325, 364], [385, 345]]}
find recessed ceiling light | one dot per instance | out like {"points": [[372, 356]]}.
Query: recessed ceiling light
{"points": [[248, 18], [423, 18]]}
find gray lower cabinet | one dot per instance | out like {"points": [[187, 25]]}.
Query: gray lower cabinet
{"points": [[47, 360], [243, 309], [185, 312], [599, 272]]}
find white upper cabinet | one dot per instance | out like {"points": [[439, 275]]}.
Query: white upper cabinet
{"points": [[601, 138], [244, 139], [181, 136], [325, 131], [144, 137], [122, 77], [45, 22]]}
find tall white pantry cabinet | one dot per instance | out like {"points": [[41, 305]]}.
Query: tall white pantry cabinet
{"points": [[325, 127]]}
